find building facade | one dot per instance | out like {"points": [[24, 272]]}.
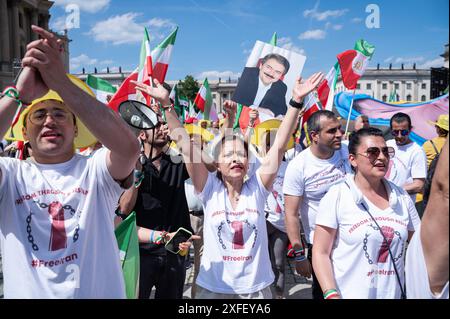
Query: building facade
{"points": [[16, 18]]}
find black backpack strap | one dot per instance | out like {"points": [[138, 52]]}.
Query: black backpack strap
{"points": [[434, 146]]}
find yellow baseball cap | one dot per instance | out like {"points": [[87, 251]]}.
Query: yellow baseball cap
{"points": [[442, 122], [258, 137], [192, 129], [84, 137]]}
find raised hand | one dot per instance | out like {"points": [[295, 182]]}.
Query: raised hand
{"points": [[44, 55], [301, 89], [30, 85], [158, 92], [253, 115], [230, 107]]}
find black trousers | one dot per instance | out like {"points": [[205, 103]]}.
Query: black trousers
{"points": [[166, 273], [317, 293]]}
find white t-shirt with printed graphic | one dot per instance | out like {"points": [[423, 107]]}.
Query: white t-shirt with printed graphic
{"points": [[409, 162], [311, 177], [275, 201], [56, 229], [235, 254], [361, 263]]}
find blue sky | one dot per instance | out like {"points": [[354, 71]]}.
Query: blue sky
{"points": [[216, 37]]}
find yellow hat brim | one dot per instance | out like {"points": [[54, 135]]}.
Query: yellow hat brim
{"points": [[197, 130], [259, 130], [84, 137]]}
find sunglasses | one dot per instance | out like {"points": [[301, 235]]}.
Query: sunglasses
{"points": [[374, 152], [402, 132]]}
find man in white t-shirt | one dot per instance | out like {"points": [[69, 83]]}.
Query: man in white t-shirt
{"points": [[408, 168], [427, 262], [57, 208], [308, 177]]}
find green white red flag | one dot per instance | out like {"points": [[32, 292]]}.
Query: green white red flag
{"points": [[143, 73], [354, 62], [161, 56], [101, 88], [204, 102], [327, 87]]}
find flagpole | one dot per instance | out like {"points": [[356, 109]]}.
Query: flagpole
{"points": [[350, 112]]}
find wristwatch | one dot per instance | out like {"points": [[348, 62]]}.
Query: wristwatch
{"points": [[295, 104]]}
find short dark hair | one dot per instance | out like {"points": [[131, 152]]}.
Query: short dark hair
{"points": [[279, 58], [401, 117], [356, 137], [314, 120]]}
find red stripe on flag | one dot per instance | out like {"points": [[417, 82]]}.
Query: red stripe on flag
{"points": [[160, 71], [125, 89], [349, 77]]}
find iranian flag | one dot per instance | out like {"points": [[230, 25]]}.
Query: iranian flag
{"points": [[312, 104], [203, 100], [327, 87], [354, 62], [180, 103], [161, 56], [143, 73], [101, 88]]}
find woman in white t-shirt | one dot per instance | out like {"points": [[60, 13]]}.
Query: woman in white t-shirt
{"points": [[235, 261], [362, 227]]}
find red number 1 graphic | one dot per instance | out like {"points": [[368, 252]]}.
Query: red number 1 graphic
{"points": [[238, 238]]}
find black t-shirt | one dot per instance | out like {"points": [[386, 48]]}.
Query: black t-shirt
{"points": [[161, 202]]}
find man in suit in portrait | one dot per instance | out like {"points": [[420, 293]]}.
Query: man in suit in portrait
{"points": [[263, 86]]}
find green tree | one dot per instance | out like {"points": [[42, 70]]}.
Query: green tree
{"points": [[189, 87]]}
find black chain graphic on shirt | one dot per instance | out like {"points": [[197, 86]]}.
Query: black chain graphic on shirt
{"points": [[251, 226], [30, 236], [370, 261]]}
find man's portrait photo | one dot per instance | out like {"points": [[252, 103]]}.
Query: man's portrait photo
{"points": [[265, 81]]}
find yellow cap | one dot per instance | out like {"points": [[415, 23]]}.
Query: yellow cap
{"points": [[84, 137], [442, 122], [258, 137]]}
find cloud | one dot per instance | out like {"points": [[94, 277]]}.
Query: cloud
{"points": [[215, 75], [397, 60], [84, 60], [286, 43], [312, 35], [91, 6], [436, 63], [58, 24], [122, 29], [323, 16], [356, 20], [336, 27], [81, 61]]}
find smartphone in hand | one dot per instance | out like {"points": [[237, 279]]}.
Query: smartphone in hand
{"points": [[182, 235]]}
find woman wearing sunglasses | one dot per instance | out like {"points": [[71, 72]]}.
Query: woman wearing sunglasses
{"points": [[362, 227]]}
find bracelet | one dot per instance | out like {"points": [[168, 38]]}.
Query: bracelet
{"points": [[167, 108], [161, 239], [12, 93], [330, 293], [151, 236]]}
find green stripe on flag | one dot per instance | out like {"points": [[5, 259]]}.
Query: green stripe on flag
{"points": [[100, 84], [238, 115], [365, 48], [127, 240], [169, 40], [273, 41]]}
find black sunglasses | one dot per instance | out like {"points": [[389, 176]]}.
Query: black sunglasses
{"points": [[402, 132], [374, 152]]}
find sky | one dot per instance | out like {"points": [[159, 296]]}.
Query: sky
{"points": [[215, 38]]}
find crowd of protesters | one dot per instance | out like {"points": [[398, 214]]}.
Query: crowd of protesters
{"points": [[346, 208]]}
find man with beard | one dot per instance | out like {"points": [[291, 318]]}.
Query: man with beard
{"points": [[308, 177], [408, 169], [158, 198]]}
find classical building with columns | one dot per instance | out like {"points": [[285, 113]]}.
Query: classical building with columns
{"points": [[16, 18]]}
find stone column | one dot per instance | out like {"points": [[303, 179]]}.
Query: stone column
{"points": [[4, 34], [34, 21], [16, 34]]}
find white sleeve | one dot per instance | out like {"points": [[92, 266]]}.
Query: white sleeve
{"points": [[294, 183], [329, 207], [8, 167], [207, 189], [414, 219], [416, 274], [419, 164]]}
